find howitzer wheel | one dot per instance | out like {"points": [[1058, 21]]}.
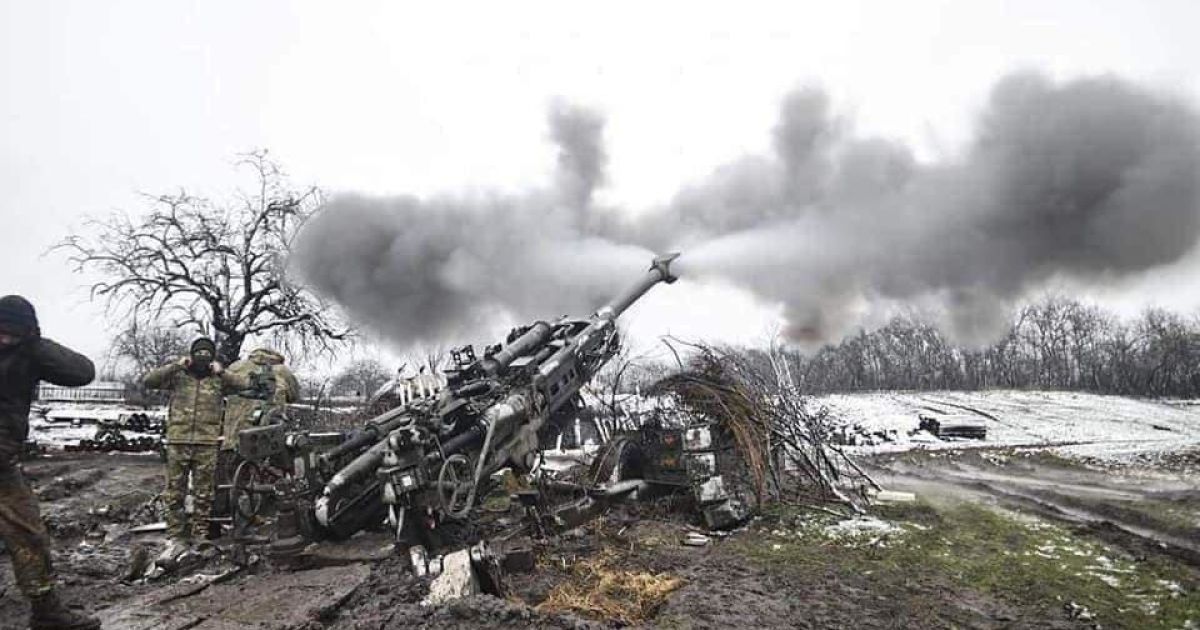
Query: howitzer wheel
{"points": [[455, 480], [351, 514], [620, 459], [249, 490]]}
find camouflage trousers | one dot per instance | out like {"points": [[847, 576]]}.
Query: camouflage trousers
{"points": [[23, 531], [194, 464]]}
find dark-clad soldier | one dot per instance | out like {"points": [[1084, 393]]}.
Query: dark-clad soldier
{"points": [[26, 358]]}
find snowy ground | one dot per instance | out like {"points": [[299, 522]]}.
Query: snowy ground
{"points": [[1076, 424], [1106, 427], [66, 423]]}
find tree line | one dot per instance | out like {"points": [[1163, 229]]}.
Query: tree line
{"points": [[1055, 343]]}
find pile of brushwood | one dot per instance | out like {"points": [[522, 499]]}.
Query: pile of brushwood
{"points": [[783, 440]]}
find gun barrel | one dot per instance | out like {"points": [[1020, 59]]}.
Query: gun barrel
{"points": [[660, 271], [533, 338], [362, 466], [375, 429]]}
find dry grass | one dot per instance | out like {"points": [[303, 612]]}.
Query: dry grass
{"points": [[598, 589], [753, 400]]}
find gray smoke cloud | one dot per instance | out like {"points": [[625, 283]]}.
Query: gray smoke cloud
{"points": [[1089, 179], [451, 267], [579, 134]]}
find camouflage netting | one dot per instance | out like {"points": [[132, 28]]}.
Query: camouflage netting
{"points": [[782, 439]]}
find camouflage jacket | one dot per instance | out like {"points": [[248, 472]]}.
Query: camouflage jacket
{"points": [[271, 385], [197, 402]]}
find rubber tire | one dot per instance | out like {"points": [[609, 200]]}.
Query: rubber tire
{"points": [[355, 521], [620, 459]]}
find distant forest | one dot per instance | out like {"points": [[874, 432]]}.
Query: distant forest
{"points": [[1057, 343]]}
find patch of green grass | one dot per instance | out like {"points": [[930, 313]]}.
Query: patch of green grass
{"points": [[1026, 562], [915, 512], [1046, 457]]}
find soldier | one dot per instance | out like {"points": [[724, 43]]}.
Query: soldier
{"points": [[26, 358], [197, 384], [272, 386]]}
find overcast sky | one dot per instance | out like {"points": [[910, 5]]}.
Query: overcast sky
{"points": [[102, 100]]}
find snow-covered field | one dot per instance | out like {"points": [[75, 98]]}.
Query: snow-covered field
{"points": [[1110, 427], [1075, 424]]}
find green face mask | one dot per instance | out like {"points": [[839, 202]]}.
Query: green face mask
{"points": [[201, 360]]}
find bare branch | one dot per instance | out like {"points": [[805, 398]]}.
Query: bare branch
{"points": [[212, 267]]}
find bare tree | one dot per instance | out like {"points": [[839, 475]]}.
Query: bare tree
{"points": [[615, 386], [361, 378], [1055, 343], [314, 390], [1169, 352], [216, 268], [143, 347]]}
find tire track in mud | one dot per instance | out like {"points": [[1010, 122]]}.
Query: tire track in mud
{"points": [[1104, 511], [1116, 531]]}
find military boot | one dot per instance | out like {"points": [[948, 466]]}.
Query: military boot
{"points": [[49, 613], [175, 548]]}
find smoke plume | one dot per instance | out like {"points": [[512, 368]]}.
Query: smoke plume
{"points": [[578, 133], [1087, 179], [451, 267], [1090, 179]]}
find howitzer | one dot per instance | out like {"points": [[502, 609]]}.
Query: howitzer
{"points": [[433, 459]]}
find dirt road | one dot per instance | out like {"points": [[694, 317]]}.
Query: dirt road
{"points": [[1155, 506]]}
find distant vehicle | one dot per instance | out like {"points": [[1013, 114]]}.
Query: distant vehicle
{"points": [[954, 426]]}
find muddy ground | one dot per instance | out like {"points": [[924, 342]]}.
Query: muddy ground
{"points": [[999, 538], [87, 501]]}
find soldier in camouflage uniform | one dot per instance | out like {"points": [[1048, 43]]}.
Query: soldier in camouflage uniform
{"points": [[272, 386], [198, 385], [26, 358]]}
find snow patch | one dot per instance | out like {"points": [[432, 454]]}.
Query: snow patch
{"points": [[860, 526], [1108, 428]]}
